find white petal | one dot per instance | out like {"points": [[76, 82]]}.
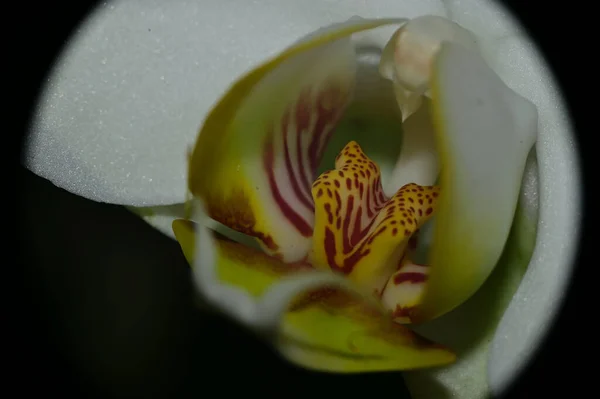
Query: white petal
{"points": [[484, 132], [536, 303], [131, 90], [486, 18], [555, 182]]}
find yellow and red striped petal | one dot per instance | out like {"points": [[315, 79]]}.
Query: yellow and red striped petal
{"points": [[325, 327], [256, 155], [358, 230]]}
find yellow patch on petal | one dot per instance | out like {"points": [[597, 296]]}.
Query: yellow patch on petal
{"points": [[358, 230], [326, 329]]}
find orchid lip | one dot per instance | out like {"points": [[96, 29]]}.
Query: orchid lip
{"points": [[362, 233], [365, 235]]}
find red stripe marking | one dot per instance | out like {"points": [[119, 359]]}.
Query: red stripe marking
{"points": [[346, 225], [330, 251], [409, 277], [302, 124], [296, 220], [288, 165]]}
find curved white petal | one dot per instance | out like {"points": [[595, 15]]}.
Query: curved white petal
{"points": [[542, 290], [488, 19], [484, 132], [491, 362], [131, 90]]}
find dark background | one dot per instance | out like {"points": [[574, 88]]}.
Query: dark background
{"points": [[75, 336]]}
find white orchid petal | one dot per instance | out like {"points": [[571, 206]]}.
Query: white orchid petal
{"points": [[484, 132], [486, 18], [543, 287], [128, 94], [530, 191]]}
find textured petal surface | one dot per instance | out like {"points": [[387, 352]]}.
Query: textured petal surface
{"points": [[313, 319], [484, 134], [535, 304], [486, 18], [264, 139], [135, 82]]}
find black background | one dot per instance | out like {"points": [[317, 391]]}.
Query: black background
{"points": [[73, 337]]}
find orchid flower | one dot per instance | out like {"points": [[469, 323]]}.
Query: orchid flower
{"points": [[263, 143], [351, 248]]}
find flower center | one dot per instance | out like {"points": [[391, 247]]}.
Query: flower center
{"points": [[359, 231]]}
